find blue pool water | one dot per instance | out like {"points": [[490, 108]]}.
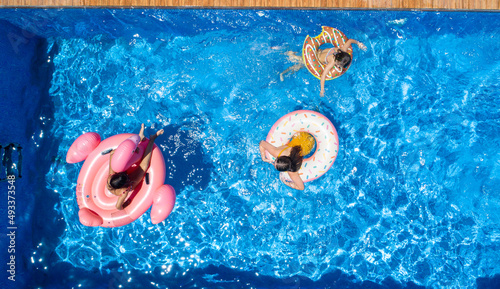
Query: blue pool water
{"points": [[411, 201]]}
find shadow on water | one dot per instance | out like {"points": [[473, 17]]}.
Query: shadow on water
{"points": [[488, 283], [46, 228], [185, 167], [114, 277]]}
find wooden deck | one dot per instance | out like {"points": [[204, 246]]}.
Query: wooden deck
{"points": [[321, 4]]}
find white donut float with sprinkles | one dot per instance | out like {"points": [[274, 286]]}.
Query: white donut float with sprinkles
{"points": [[324, 133]]}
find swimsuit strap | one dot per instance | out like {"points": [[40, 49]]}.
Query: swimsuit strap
{"points": [[281, 152], [328, 54], [129, 189]]}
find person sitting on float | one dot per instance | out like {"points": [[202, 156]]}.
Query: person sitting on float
{"points": [[289, 157], [121, 183]]}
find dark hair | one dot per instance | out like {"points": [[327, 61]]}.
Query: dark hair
{"points": [[290, 163], [343, 58], [119, 180]]}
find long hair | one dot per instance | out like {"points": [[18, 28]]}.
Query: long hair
{"points": [[290, 163], [343, 58], [119, 180]]}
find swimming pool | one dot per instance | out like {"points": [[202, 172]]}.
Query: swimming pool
{"points": [[412, 199]]}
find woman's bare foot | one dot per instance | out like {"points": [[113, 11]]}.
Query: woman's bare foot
{"points": [[141, 133], [154, 136]]}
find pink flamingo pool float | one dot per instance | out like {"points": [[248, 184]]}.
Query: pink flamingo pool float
{"points": [[97, 205]]}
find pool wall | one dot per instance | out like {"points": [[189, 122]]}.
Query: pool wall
{"points": [[24, 82]]}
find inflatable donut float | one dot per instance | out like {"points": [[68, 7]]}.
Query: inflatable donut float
{"points": [[311, 46], [324, 133]]}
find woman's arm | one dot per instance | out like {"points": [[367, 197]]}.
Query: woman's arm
{"points": [[274, 151], [323, 77], [296, 182], [350, 42], [121, 200]]}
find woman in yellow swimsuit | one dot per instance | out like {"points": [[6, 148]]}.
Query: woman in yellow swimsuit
{"points": [[289, 157]]}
